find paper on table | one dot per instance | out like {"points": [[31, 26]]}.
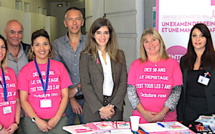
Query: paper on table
{"points": [[168, 126], [212, 126], [121, 131], [152, 127], [98, 127], [206, 120], [79, 129]]}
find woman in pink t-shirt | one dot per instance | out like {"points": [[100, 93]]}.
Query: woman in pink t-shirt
{"points": [[154, 81], [9, 102], [43, 85]]}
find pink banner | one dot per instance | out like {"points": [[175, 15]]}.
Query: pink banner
{"points": [[212, 2]]}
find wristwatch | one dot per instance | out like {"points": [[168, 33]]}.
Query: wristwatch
{"points": [[33, 119], [78, 89], [17, 124]]}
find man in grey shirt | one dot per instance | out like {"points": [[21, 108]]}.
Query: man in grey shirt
{"points": [[17, 51], [67, 50]]}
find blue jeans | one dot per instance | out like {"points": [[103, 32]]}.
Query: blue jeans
{"points": [[71, 115]]}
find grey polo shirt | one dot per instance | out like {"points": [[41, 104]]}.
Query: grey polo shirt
{"points": [[70, 58], [21, 61]]}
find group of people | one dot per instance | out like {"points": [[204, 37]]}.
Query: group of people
{"points": [[43, 86]]}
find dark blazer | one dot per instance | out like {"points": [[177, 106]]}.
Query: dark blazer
{"points": [[26, 48], [209, 92], [91, 76]]}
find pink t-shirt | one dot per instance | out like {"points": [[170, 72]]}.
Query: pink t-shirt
{"points": [[154, 83], [29, 81], [8, 108]]}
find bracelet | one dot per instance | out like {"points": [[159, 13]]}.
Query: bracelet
{"points": [[163, 116], [78, 89], [17, 124], [1, 127]]}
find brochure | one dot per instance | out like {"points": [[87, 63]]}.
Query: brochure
{"points": [[206, 120], [99, 127], [163, 126], [83, 129]]}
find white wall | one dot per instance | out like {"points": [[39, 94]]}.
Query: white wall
{"points": [[8, 14], [34, 4], [51, 27], [58, 12], [31, 20]]}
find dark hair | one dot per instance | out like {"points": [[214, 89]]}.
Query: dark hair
{"points": [[73, 8], [36, 34], [207, 58], [112, 44], [4, 61]]}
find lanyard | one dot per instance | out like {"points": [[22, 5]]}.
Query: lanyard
{"points": [[40, 76], [4, 86]]}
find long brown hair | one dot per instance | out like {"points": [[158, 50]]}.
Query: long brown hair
{"points": [[207, 58], [4, 60], [112, 45]]}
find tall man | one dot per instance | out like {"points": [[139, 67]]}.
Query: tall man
{"points": [[17, 50], [67, 50]]}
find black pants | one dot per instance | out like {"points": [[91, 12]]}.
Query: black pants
{"points": [[193, 109]]}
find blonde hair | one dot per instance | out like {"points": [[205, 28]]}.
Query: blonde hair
{"points": [[162, 52], [112, 45]]}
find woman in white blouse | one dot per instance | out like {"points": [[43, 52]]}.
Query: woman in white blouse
{"points": [[103, 74]]}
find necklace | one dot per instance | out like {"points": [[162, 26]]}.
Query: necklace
{"points": [[14, 54], [15, 58], [154, 61]]}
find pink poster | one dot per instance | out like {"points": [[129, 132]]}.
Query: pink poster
{"points": [[175, 18]]}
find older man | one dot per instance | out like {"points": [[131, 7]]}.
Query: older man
{"points": [[17, 51]]}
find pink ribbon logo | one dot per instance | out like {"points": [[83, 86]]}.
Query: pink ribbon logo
{"points": [[97, 60]]}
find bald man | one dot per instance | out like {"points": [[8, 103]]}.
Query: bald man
{"points": [[17, 51]]}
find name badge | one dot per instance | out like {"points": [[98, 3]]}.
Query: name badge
{"points": [[45, 103], [203, 80], [7, 110]]}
